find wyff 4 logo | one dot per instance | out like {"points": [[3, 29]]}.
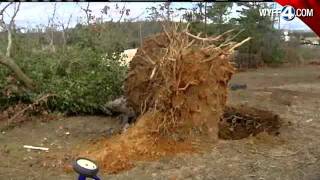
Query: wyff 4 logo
{"points": [[287, 13]]}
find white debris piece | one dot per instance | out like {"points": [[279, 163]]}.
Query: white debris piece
{"points": [[36, 148], [309, 120], [128, 55]]}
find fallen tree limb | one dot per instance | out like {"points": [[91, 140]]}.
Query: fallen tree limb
{"points": [[8, 62], [30, 106]]}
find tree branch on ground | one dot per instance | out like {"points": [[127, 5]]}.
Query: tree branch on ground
{"points": [[43, 98]]}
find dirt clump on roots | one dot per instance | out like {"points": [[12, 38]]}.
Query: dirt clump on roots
{"points": [[177, 82], [243, 121]]}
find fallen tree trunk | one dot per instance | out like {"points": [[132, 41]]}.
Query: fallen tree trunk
{"points": [[21, 76]]}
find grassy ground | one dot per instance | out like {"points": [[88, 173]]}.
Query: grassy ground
{"points": [[291, 92]]}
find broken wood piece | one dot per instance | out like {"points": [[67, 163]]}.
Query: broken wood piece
{"points": [[36, 148], [153, 72]]}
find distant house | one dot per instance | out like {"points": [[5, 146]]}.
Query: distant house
{"points": [[310, 40]]}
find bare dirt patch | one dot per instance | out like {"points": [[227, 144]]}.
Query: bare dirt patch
{"points": [[242, 121]]}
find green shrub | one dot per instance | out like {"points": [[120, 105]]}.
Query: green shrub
{"points": [[84, 73], [271, 48], [82, 79]]}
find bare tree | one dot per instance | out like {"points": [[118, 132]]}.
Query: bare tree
{"points": [[6, 59], [50, 28], [10, 28], [88, 12], [168, 10], [161, 13], [65, 27], [123, 11]]}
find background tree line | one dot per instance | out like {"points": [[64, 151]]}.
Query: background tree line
{"points": [[82, 65]]}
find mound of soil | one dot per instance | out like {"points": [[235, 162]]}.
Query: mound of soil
{"points": [[137, 144], [241, 122]]}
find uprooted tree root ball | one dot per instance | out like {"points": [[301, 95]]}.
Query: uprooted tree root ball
{"points": [[177, 82], [183, 79]]}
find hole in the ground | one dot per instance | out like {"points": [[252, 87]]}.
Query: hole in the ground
{"points": [[241, 122]]}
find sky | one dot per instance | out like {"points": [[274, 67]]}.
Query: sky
{"points": [[32, 14]]}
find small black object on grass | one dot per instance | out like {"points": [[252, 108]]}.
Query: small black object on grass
{"points": [[235, 86]]}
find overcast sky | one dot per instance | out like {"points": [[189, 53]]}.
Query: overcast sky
{"points": [[36, 13]]}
